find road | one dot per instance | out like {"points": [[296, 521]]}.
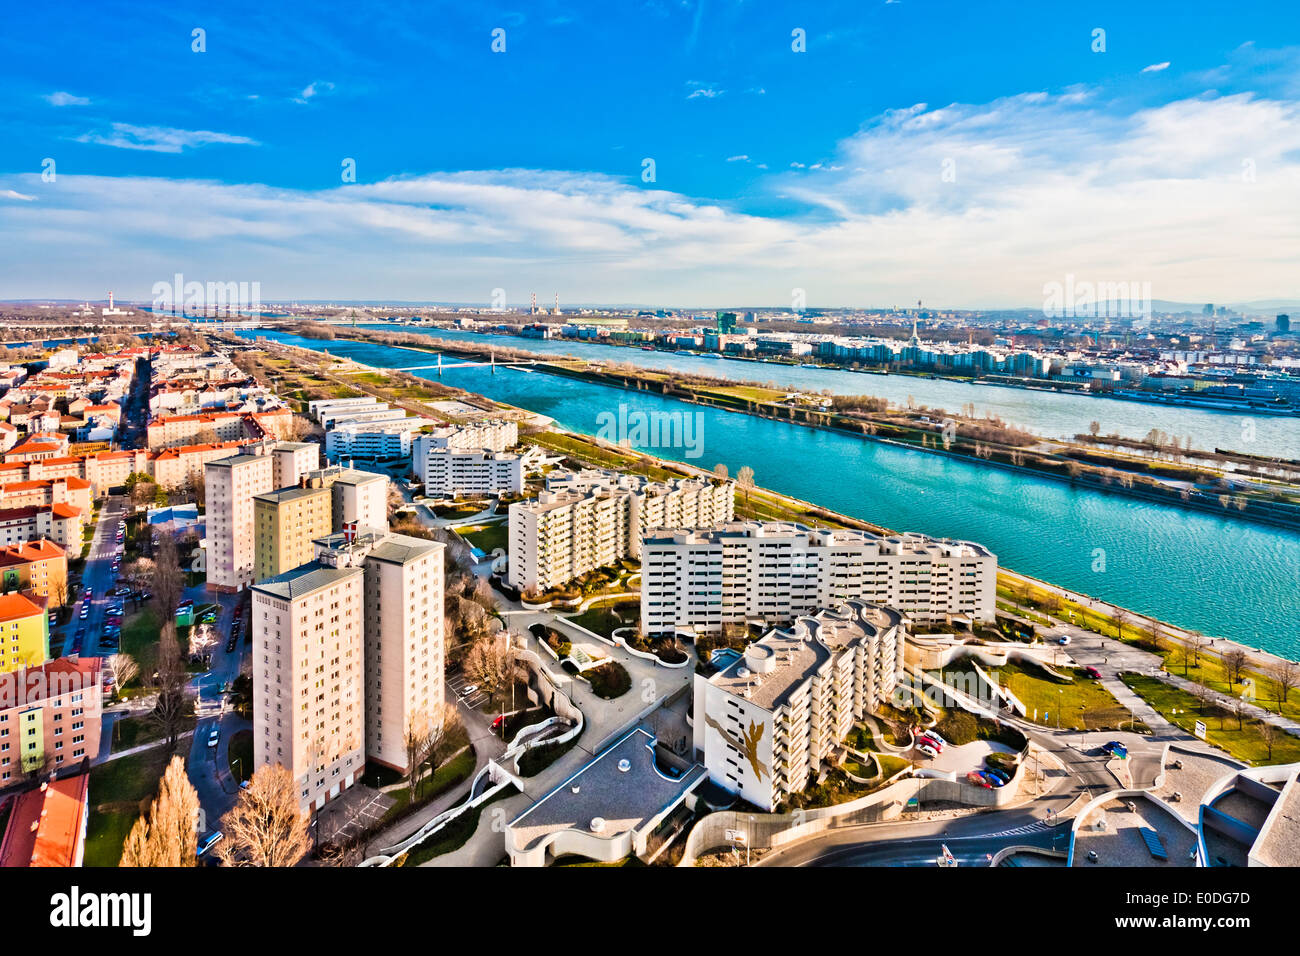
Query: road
{"points": [[96, 578], [209, 767]]}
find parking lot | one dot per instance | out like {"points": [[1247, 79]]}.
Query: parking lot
{"points": [[468, 693]]}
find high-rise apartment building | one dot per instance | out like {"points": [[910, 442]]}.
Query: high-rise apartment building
{"points": [[293, 459], [308, 678], [285, 523], [231, 484], [775, 571], [765, 722], [359, 497], [403, 633]]}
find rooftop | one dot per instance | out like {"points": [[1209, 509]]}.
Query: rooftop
{"points": [[623, 799], [45, 825], [304, 580]]}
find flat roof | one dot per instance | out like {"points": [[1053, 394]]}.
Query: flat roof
{"points": [[624, 799], [304, 580], [1279, 842], [291, 493]]}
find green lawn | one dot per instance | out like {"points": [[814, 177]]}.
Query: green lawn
{"points": [[451, 773], [1246, 743], [130, 732], [1082, 704], [117, 790], [140, 637], [487, 537], [455, 834], [604, 617]]}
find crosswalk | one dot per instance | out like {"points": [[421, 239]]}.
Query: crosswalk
{"points": [[1038, 826]]}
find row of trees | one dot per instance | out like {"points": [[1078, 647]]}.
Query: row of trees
{"points": [[265, 827]]}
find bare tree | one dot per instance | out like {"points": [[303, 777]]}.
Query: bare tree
{"points": [[415, 741], [1120, 617], [1268, 733], [168, 836], [1286, 674], [720, 470], [489, 664], [745, 479], [202, 639], [1234, 662], [266, 826], [123, 668], [172, 706]]}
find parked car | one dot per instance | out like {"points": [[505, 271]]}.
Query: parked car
{"points": [[1063, 639], [230, 644], [209, 841], [935, 740], [927, 750], [85, 610], [80, 635], [992, 778], [975, 778], [1001, 774]]}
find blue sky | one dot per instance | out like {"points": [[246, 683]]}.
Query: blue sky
{"points": [[964, 153]]}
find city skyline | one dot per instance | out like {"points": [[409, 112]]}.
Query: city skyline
{"points": [[854, 157]]}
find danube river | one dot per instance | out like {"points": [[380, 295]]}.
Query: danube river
{"points": [[1050, 414], [1226, 578]]}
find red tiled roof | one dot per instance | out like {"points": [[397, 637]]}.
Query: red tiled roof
{"points": [[14, 607], [45, 826]]}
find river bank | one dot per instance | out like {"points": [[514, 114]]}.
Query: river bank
{"points": [[1200, 571], [918, 430]]}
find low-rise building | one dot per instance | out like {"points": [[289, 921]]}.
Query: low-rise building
{"points": [[47, 824], [448, 472], [50, 717], [38, 566]]}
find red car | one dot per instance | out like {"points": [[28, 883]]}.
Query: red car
{"points": [[1093, 673]]}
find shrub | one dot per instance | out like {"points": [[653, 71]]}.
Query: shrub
{"points": [[609, 680]]}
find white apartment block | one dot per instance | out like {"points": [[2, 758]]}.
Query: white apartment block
{"points": [[381, 412], [448, 472], [773, 572], [308, 672], [766, 721], [315, 408], [403, 633], [373, 440], [561, 535], [230, 486], [293, 459], [492, 434]]}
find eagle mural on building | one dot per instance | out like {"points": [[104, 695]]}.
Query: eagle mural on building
{"points": [[748, 745]]}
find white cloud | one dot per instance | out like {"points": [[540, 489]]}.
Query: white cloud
{"points": [[1043, 185], [741, 158], [162, 139], [314, 89], [66, 99], [15, 194], [1156, 67]]}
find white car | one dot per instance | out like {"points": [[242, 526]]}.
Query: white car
{"points": [[209, 841], [213, 738], [935, 737], [927, 750], [1065, 639]]}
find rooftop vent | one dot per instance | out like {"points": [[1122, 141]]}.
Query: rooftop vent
{"points": [[624, 765], [597, 824]]}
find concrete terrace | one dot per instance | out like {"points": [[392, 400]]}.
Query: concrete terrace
{"points": [[620, 790]]}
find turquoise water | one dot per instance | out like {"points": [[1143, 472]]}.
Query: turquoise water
{"points": [[1220, 576], [1050, 414]]}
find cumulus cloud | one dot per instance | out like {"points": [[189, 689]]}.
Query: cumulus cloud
{"points": [[964, 205], [314, 89], [161, 139]]}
